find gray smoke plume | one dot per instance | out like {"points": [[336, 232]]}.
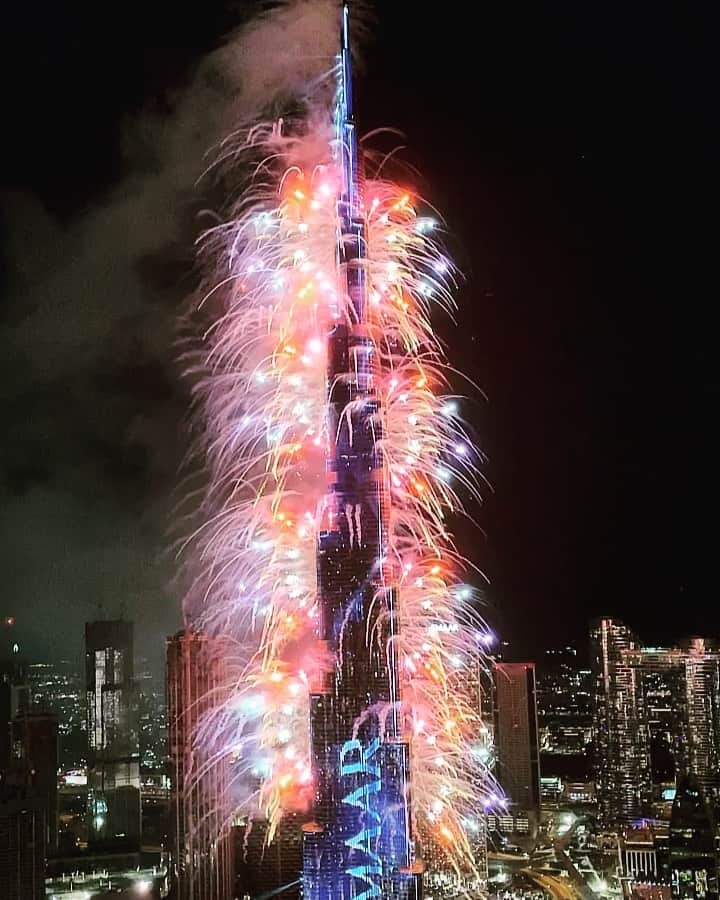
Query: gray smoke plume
{"points": [[91, 403]]}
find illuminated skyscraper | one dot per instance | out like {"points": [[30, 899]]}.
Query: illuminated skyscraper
{"points": [[702, 690], [643, 693], [564, 690], [693, 856], [113, 737], [622, 754], [359, 843], [202, 848], [690, 718], [516, 734]]}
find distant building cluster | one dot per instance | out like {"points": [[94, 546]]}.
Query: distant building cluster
{"points": [[608, 777], [83, 785], [102, 767]]}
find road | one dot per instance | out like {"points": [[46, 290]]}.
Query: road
{"points": [[559, 888]]}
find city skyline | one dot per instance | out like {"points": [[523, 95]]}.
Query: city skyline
{"points": [[361, 381], [664, 836]]}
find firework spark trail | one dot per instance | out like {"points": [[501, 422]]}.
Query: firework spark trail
{"points": [[271, 295]]}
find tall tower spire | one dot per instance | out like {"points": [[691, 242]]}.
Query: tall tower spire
{"points": [[359, 845], [347, 134]]}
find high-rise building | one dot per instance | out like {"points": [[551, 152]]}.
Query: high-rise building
{"points": [[202, 845], [665, 710], [360, 840], [622, 753], [443, 877], [113, 737], [656, 718], [693, 855], [15, 695], [23, 831], [680, 701], [34, 762], [477, 683], [702, 690], [516, 734], [564, 689]]}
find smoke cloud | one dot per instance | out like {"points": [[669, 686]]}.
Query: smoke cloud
{"points": [[91, 402]]}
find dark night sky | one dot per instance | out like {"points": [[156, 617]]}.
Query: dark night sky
{"points": [[569, 147]]}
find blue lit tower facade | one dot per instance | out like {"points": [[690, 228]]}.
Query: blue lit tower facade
{"points": [[359, 844]]}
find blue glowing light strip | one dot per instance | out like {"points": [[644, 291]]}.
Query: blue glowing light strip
{"points": [[369, 870]]}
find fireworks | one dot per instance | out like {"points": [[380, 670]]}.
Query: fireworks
{"points": [[272, 296]]}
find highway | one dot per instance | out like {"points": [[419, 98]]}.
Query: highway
{"points": [[559, 888]]}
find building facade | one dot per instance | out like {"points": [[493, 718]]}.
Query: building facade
{"points": [[34, 763], [693, 861], [564, 697], [702, 692], [15, 695], [203, 866], [113, 737], [622, 749], [443, 877], [656, 719], [23, 831], [516, 734], [638, 855]]}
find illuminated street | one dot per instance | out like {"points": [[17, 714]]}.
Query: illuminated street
{"points": [[559, 888]]}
